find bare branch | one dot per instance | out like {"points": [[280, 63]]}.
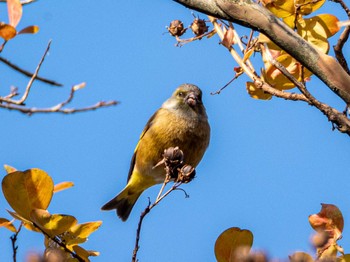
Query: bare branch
{"points": [[323, 66], [27, 73], [23, 2], [13, 242]]}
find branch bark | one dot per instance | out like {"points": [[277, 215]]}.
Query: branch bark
{"points": [[252, 15]]}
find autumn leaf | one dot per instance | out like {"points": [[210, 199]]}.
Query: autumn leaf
{"points": [[7, 224], [257, 93], [9, 169], [27, 190], [54, 224], [231, 241], [62, 186], [32, 29], [229, 38], [14, 8]]}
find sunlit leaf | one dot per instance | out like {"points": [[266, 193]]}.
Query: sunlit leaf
{"points": [[329, 219], [257, 93], [62, 186], [7, 32], [53, 225], [277, 79], [27, 190], [84, 230], [230, 241], [281, 8], [317, 29], [301, 256], [84, 254], [229, 38], [307, 7], [248, 54], [14, 8], [345, 258], [9, 169], [33, 29], [7, 224]]}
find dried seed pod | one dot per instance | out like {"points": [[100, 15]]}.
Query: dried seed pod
{"points": [[186, 174], [176, 28], [199, 27]]}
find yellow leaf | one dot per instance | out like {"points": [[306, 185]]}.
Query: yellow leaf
{"points": [[345, 258], [231, 241], [248, 54], [7, 32], [281, 8], [14, 8], [62, 186], [27, 190], [9, 169], [84, 254], [33, 29], [7, 224], [307, 6], [257, 93], [277, 79], [84, 230], [53, 225], [317, 29]]}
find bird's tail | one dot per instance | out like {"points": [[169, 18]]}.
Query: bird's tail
{"points": [[123, 203]]}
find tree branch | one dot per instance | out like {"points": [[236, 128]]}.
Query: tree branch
{"points": [[252, 15], [27, 73]]}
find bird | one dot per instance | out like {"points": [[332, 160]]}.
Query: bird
{"points": [[180, 122]]}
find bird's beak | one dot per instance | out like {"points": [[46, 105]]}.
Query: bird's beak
{"points": [[192, 99]]}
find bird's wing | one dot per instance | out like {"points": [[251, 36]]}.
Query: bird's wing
{"points": [[133, 159]]}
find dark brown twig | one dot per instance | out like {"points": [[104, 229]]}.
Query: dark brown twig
{"points": [[13, 241], [175, 170], [27, 73]]}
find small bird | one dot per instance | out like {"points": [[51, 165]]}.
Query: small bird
{"points": [[180, 122]]}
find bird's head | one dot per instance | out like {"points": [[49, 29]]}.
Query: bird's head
{"points": [[186, 97]]}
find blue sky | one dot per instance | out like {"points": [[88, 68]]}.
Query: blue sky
{"points": [[269, 164]]}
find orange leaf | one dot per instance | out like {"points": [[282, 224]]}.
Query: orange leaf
{"points": [[7, 32], [32, 29], [62, 186], [7, 224], [231, 241], [229, 38], [329, 219], [14, 8], [27, 190]]}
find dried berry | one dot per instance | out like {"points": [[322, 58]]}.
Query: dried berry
{"points": [[199, 27], [176, 28]]}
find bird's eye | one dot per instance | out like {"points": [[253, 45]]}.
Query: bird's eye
{"points": [[181, 94]]}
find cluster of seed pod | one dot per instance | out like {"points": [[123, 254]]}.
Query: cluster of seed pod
{"points": [[198, 27]]}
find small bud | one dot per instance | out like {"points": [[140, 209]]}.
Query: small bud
{"points": [[199, 27], [186, 174], [176, 28], [320, 239]]}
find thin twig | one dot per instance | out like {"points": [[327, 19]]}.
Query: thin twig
{"points": [[181, 42], [59, 242], [29, 85], [148, 209], [27, 73], [13, 241], [56, 109]]}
